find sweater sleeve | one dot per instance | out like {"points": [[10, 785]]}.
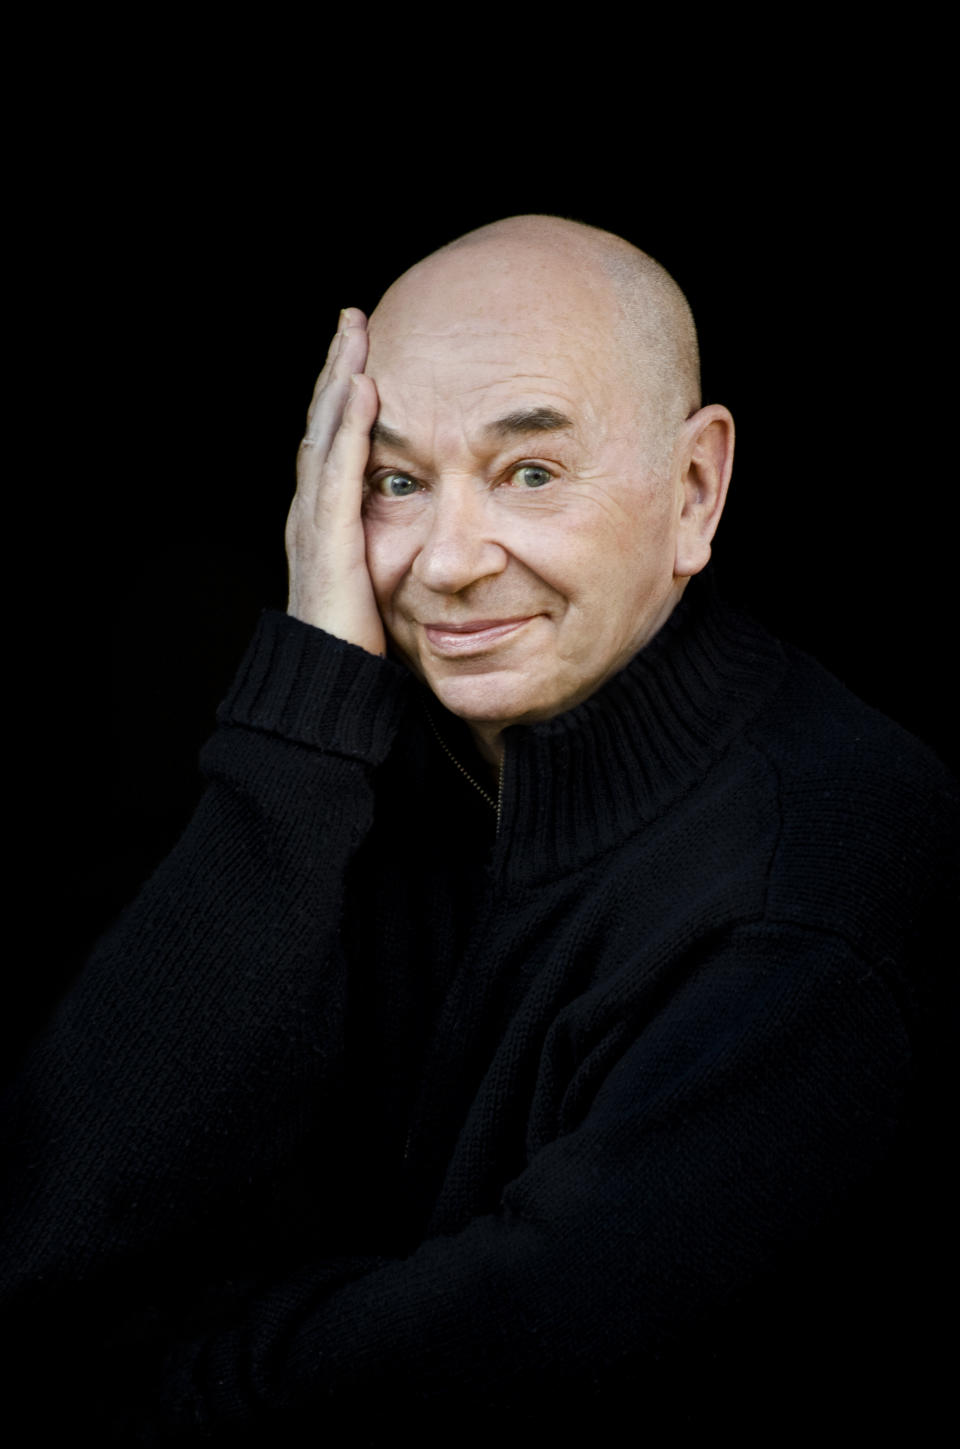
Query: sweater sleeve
{"points": [[177, 1039], [725, 1131]]}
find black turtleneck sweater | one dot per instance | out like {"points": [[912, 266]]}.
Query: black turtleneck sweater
{"points": [[392, 1103]]}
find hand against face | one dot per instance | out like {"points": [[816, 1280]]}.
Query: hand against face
{"points": [[326, 555]]}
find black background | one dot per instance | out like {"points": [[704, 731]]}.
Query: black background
{"points": [[191, 248]]}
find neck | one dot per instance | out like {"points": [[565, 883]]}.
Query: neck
{"points": [[488, 739]]}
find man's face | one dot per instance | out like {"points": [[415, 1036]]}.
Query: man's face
{"points": [[520, 544]]}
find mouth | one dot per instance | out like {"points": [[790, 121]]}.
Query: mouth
{"points": [[474, 636]]}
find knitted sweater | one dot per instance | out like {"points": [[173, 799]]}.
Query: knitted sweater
{"points": [[393, 1096]]}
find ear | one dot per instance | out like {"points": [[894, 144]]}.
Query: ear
{"points": [[703, 465]]}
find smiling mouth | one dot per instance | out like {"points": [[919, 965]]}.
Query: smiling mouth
{"points": [[474, 636]]}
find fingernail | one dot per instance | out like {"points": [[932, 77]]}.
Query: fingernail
{"points": [[342, 319]]}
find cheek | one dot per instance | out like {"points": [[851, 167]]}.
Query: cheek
{"points": [[582, 553], [390, 551], [638, 527]]}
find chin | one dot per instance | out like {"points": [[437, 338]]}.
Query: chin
{"points": [[496, 698]]}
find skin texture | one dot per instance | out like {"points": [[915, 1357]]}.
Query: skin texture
{"points": [[513, 569]]}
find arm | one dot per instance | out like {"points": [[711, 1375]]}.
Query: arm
{"points": [[209, 979], [164, 1053]]}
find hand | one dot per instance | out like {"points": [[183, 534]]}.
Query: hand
{"points": [[326, 554]]}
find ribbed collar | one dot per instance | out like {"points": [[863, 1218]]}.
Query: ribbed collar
{"points": [[582, 782]]}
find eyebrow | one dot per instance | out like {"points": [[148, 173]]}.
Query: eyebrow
{"points": [[528, 420], [514, 425]]}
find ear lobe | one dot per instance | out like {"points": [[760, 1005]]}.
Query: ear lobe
{"points": [[705, 467]]}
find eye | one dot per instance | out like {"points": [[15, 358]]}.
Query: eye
{"points": [[396, 485], [530, 475]]}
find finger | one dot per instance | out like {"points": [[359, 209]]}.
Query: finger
{"points": [[332, 351], [329, 402], [331, 354], [327, 411], [340, 495], [351, 318]]}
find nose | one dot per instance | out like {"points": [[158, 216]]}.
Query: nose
{"points": [[458, 548]]}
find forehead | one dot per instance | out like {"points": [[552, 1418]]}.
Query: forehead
{"points": [[477, 344]]}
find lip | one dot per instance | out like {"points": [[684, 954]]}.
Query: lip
{"points": [[474, 636]]}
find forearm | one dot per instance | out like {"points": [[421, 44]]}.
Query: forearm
{"points": [[168, 1051]]}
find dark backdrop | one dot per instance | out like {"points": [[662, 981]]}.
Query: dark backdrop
{"points": [[196, 273]]}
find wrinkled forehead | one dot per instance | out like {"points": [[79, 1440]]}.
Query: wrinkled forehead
{"points": [[478, 341]]}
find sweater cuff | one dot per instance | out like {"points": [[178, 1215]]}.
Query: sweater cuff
{"points": [[315, 689]]}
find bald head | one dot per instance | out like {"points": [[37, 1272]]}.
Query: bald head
{"points": [[576, 270]]}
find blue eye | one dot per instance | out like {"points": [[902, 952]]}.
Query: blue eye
{"points": [[396, 485], [528, 475]]}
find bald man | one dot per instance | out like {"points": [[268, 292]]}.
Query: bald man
{"points": [[532, 1026], [578, 557]]}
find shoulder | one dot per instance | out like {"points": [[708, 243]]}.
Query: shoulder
{"points": [[838, 757], [869, 817]]}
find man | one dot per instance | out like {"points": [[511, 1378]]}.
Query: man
{"points": [[531, 1026]]}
